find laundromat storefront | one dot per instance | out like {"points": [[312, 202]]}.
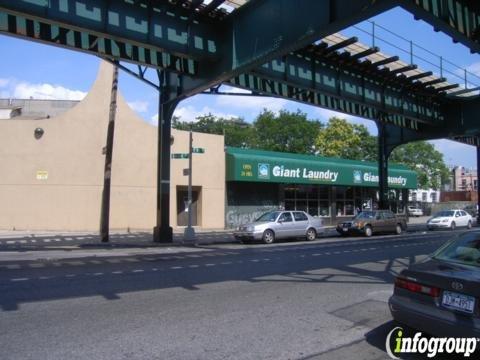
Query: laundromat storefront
{"points": [[332, 188]]}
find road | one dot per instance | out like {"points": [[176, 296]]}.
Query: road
{"points": [[320, 300]]}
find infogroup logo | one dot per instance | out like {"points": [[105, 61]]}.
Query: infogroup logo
{"points": [[397, 344]]}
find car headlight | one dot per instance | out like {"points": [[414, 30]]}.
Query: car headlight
{"points": [[250, 228], [445, 220]]}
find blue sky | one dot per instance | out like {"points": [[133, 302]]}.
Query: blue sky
{"points": [[32, 69]]}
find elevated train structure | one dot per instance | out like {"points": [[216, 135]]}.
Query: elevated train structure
{"points": [[283, 48]]}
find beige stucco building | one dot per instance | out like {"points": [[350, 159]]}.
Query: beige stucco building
{"points": [[54, 182]]}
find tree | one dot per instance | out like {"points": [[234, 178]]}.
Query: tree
{"points": [[345, 140], [425, 160], [286, 132], [237, 132]]}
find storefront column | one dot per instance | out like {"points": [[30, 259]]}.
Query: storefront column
{"points": [[382, 167], [333, 205], [163, 232], [478, 184]]}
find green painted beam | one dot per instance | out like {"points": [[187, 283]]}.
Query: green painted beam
{"points": [[318, 98], [349, 82], [460, 19], [151, 24], [85, 41], [262, 30]]}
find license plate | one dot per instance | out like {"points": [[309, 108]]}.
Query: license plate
{"points": [[459, 302], [345, 229]]}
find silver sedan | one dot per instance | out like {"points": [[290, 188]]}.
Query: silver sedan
{"points": [[280, 225]]}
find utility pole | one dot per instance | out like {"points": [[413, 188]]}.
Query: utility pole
{"points": [[189, 234], [107, 175]]}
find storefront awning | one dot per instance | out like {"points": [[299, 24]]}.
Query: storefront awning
{"points": [[276, 167]]}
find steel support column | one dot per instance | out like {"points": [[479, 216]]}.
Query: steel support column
{"points": [[162, 232], [383, 154]]}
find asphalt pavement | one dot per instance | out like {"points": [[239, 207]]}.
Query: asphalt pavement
{"points": [[293, 300]]}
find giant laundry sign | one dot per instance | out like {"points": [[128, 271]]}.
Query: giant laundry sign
{"points": [[281, 171], [263, 166]]}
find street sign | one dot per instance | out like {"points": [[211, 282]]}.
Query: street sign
{"points": [[198, 150], [186, 172], [180, 156]]}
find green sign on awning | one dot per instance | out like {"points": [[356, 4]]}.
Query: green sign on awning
{"points": [[267, 166]]}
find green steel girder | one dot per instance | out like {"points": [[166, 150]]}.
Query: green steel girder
{"points": [[262, 30], [460, 19], [386, 95], [150, 24], [308, 96], [87, 42], [221, 48]]}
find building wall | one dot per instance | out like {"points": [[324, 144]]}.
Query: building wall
{"points": [[424, 196], [55, 182], [464, 179]]}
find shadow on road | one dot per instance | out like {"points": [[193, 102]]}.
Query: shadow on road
{"points": [[110, 276]]}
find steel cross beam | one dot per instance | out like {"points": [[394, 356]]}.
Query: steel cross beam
{"points": [[342, 88], [460, 19], [158, 34]]}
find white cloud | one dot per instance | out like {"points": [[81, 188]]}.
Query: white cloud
{"points": [[154, 120], [251, 103], [4, 82], [139, 106], [190, 113], [235, 90], [473, 68], [25, 90], [326, 114]]}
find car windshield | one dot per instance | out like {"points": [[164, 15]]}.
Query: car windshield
{"points": [[268, 217], [445, 213], [464, 250], [365, 215]]}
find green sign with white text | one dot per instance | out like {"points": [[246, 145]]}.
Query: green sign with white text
{"points": [[274, 167]]}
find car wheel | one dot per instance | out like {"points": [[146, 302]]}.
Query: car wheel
{"points": [[268, 237], [368, 231], [452, 225], [398, 229], [311, 234], [469, 225]]}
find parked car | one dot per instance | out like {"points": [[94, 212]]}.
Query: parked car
{"points": [[275, 225], [441, 294], [450, 219], [471, 209], [414, 211], [370, 222]]}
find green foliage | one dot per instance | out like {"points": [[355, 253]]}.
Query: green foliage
{"points": [[293, 132], [286, 132], [345, 140], [237, 132], [422, 157]]}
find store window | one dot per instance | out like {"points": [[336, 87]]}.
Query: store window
{"points": [[345, 198], [313, 199], [424, 196]]}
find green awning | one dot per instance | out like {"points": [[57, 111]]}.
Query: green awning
{"points": [[276, 167]]}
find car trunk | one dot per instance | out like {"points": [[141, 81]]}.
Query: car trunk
{"points": [[448, 277]]}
